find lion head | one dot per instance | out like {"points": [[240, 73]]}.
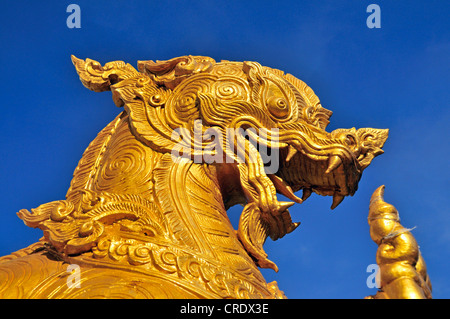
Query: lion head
{"points": [[262, 130]]}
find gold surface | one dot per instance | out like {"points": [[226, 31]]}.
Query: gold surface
{"points": [[402, 270], [141, 222]]}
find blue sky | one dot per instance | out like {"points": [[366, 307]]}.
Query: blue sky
{"points": [[395, 77]]}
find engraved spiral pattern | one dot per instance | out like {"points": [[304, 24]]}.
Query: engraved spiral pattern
{"points": [[229, 69], [182, 103], [127, 165], [231, 88], [177, 242]]}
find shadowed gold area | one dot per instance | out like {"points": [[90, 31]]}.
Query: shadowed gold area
{"points": [[145, 214]]}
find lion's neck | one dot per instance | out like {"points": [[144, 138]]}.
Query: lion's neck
{"points": [[185, 198]]}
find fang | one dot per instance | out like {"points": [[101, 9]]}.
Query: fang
{"points": [[291, 152], [306, 193], [333, 163], [284, 206], [337, 199]]}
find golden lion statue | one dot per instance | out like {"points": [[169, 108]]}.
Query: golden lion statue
{"points": [[145, 215]]}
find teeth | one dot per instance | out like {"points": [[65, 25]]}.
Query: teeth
{"points": [[284, 205], [291, 152], [337, 199], [333, 163], [283, 188], [292, 227], [306, 193]]}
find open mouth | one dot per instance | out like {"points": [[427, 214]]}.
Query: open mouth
{"points": [[328, 164], [332, 176]]}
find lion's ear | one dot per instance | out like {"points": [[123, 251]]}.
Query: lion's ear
{"points": [[142, 99], [144, 103]]}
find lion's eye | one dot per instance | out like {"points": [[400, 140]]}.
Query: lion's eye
{"points": [[278, 106]]}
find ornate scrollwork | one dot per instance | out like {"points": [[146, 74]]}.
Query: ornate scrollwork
{"points": [[197, 136], [74, 229]]}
